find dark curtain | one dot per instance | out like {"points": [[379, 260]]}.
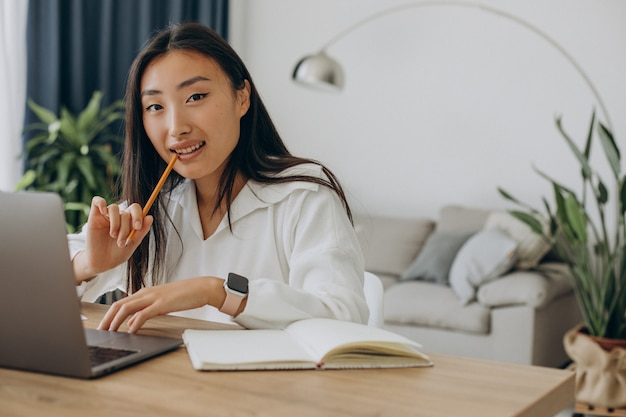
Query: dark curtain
{"points": [[78, 46]]}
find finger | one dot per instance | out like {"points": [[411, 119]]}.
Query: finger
{"points": [[136, 214], [118, 320], [105, 323], [125, 228], [98, 209], [131, 306], [154, 306], [100, 204], [139, 319], [145, 227], [140, 234], [116, 316], [113, 212]]}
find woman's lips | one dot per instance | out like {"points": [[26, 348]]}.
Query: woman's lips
{"points": [[190, 149]]}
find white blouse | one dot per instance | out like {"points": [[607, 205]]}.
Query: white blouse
{"points": [[293, 241]]}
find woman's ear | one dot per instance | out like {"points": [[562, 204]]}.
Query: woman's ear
{"points": [[243, 97]]}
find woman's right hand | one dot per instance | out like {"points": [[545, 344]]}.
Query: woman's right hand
{"points": [[107, 229]]}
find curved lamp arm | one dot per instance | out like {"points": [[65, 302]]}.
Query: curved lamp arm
{"points": [[324, 72]]}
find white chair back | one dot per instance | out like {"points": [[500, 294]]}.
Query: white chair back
{"points": [[373, 289]]}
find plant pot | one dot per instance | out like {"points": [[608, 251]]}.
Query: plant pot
{"points": [[609, 344], [600, 368]]}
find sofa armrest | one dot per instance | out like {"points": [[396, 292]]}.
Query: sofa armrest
{"points": [[535, 288]]}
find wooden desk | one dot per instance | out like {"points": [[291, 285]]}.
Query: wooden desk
{"points": [[169, 386]]}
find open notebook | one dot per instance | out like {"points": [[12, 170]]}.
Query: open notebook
{"points": [[316, 343], [40, 323]]}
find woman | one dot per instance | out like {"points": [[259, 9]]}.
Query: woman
{"points": [[236, 202]]}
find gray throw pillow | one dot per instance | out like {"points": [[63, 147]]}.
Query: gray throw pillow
{"points": [[434, 261], [484, 257]]}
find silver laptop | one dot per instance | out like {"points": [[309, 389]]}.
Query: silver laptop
{"points": [[40, 324]]}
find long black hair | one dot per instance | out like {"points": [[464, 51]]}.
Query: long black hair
{"points": [[259, 155]]}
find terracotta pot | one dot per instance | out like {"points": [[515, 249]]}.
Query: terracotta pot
{"points": [[609, 344], [600, 371]]}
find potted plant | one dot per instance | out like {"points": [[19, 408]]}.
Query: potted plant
{"points": [[72, 155], [593, 245]]}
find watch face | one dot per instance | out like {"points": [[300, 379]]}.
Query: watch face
{"points": [[238, 283]]}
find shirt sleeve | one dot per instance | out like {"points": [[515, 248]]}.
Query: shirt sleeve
{"points": [[111, 280], [326, 268]]}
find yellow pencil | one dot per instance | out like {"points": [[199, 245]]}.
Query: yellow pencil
{"points": [[154, 194]]}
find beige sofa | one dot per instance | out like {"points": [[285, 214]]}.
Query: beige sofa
{"points": [[472, 283]]}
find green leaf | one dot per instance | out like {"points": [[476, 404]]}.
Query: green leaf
{"points": [[64, 166], [603, 193], [69, 129], [27, 180], [89, 115], [610, 149], [508, 196], [553, 223], [561, 211], [560, 202], [70, 188], [576, 217], [86, 168], [45, 160], [534, 224], [45, 115], [35, 142], [77, 206], [590, 135], [586, 169], [622, 194]]}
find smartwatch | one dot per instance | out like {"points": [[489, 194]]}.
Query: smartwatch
{"points": [[236, 288]]}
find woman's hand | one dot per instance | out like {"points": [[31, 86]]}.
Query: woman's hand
{"points": [[107, 229], [162, 299]]}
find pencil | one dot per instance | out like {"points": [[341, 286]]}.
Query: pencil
{"points": [[154, 194]]}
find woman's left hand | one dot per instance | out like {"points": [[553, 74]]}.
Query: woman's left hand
{"points": [[162, 299]]}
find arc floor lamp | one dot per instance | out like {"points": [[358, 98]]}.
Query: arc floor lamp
{"points": [[321, 71]]}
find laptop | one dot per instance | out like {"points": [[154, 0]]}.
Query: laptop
{"points": [[41, 328]]}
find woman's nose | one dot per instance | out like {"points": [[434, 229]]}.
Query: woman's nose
{"points": [[178, 123]]}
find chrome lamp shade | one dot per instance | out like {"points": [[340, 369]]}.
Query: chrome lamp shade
{"points": [[319, 71]]}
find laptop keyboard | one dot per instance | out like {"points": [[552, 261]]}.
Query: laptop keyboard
{"points": [[100, 355]]}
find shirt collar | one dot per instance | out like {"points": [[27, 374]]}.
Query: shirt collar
{"points": [[254, 195]]}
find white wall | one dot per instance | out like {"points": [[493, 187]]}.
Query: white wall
{"points": [[442, 104]]}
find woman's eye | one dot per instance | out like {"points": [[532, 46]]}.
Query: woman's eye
{"points": [[154, 107], [197, 96]]}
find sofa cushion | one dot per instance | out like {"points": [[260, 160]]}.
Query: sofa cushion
{"points": [[459, 219], [530, 246], [390, 244], [428, 304], [484, 257], [387, 279], [434, 261], [536, 288]]}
